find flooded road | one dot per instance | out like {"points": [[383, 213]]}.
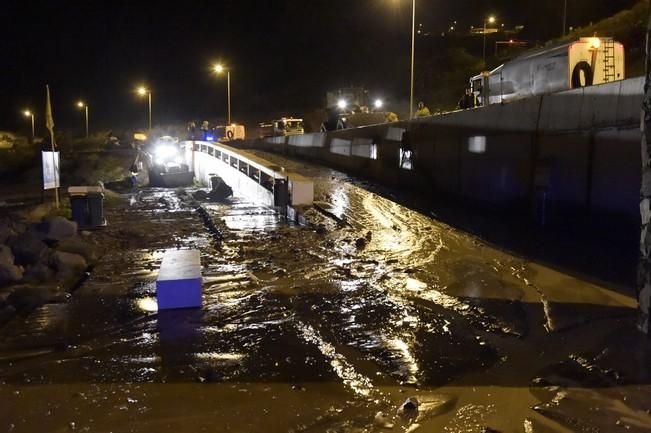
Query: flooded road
{"points": [[329, 327]]}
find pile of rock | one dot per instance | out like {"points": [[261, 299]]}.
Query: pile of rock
{"points": [[40, 257]]}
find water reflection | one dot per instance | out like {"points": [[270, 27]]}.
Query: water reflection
{"points": [[148, 304]]}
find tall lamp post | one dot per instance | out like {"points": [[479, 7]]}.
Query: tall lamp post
{"points": [[28, 113], [413, 44], [219, 69], [142, 91], [490, 20], [81, 104], [564, 17]]}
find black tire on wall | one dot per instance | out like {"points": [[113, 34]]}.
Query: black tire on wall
{"points": [[587, 73]]}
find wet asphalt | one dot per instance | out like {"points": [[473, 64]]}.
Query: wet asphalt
{"points": [[328, 327]]}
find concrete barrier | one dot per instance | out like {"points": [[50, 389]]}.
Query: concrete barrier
{"points": [[581, 147], [178, 284]]}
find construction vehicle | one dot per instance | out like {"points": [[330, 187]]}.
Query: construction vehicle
{"points": [[282, 127], [166, 165], [349, 108], [581, 63]]}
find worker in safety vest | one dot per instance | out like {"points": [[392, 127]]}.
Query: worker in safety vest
{"points": [[391, 117], [422, 110]]}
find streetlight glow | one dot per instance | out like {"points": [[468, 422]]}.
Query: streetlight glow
{"points": [[82, 104], [220, 69], [341, 104], [489, 20], [29, 113], [142, 91], [378, 103]]}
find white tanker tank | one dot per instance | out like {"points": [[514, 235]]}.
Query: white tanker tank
{"points": [[585, 62]]}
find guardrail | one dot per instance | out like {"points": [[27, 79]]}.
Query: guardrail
{"points": [[273, 178]]}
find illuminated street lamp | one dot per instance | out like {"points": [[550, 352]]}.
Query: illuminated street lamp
{"points": [[378, 104], [491, 20], [219, 69], [142, 91], [81, 104], [28, 113]]}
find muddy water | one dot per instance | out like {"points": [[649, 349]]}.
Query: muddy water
{"points": [[320, 330]]}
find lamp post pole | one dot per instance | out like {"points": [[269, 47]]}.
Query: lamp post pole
{"points": [[28, 113], [564, 17], [228, 86], [490, 20], [86, 120], [149, 95], [220, 69], [484, 34], [83, 105], [413, 44]]}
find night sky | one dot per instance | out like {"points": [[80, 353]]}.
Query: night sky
{"points": [[283, 54]]}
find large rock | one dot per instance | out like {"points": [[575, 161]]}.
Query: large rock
{"points": [[9, 272], [6, 233], [76, 245], [27, 249], [26, 299], [220, 190], [68, 264], [7, 312], [38, 273], [56, 228]]}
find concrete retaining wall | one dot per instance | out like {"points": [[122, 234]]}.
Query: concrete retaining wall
{"points": [[576, 151]]}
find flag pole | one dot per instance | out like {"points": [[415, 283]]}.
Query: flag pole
{"points": [[49, 123]]}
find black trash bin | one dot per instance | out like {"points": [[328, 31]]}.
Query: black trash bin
{"points": [[87, 205]]}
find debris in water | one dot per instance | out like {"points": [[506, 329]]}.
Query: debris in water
{"points": [[381, 420], [409, 407]]}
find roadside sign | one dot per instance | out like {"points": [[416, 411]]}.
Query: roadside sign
{"points": [[50, 170]]}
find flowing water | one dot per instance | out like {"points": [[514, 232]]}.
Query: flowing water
{"points": [[320, 328]]}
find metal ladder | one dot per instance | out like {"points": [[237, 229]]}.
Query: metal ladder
{"points": [[609, 60]]}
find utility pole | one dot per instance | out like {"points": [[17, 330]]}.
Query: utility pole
{"points": [[644, 266], [413, 44], [565, 17]]}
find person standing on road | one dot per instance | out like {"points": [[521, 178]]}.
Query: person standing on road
{"points": [[467, 101]]}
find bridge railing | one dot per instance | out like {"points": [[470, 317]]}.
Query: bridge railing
{"points": [[262, 172]]}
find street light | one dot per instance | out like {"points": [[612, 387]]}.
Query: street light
{"points": [[142, 91], [219, 69], [81, 104], [490, 20], [413, 44], [341, 104], [28, 113], [564, 17], [378, 104]]}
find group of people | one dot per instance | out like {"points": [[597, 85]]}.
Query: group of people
{"points": [[467, 101]]}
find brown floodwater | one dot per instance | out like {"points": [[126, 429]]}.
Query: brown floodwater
{"points": [[326, 330]]}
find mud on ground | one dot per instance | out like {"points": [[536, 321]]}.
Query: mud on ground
{"points": [[328, 327]]}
